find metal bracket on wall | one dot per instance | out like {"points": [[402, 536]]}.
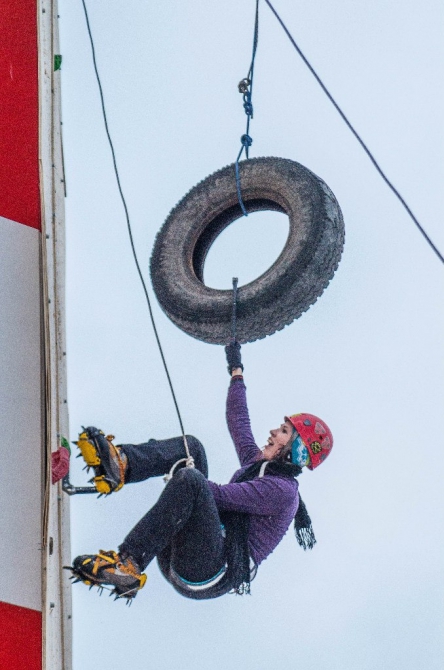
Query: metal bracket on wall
{"points": [[74, 490]]}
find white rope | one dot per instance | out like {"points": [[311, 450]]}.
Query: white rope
{"points": [[262, 470], [189, 459], [189, 463]]}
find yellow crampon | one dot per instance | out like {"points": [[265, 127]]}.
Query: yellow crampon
{"points": [[108, 568], [89, 450], [103, 487], [103, 481]]}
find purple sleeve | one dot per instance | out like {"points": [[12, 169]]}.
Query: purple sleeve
{"points": [[265, 496], [238, 422]]}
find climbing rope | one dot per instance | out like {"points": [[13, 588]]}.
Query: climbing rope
{"points": [[189, 459], [233, 312], [355, 133], [245, 87]]}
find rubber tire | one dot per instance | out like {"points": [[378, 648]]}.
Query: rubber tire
{"points": [[287, 289]]}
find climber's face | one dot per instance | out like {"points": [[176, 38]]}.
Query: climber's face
{"points": [[278, 440]]}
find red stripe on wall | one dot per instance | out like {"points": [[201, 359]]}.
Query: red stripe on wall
{"points": [[20, 638], [19, 114]]}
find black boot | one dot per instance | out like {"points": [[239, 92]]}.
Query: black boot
{"points": [[109, 568]]}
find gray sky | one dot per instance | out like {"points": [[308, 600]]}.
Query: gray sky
{"points": [[367, 357]]}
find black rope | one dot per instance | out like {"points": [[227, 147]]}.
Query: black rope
{"points": [[233, 313], [355, 133], [116, 171]]}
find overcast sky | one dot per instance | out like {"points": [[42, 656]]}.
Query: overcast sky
{"points": [[367, 357]]}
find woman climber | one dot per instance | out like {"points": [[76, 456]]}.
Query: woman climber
{"points": [[208, 539]]}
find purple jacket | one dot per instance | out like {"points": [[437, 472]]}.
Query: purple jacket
{"points": [[271, 501]]}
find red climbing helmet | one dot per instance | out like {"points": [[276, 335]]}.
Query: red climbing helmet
{"points": [[316, 436]]}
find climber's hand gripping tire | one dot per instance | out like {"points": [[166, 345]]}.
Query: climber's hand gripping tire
{"points": [[287, 289]]}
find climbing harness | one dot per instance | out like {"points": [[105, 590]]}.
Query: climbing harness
{"points": [[245, 87], [197, 586]]}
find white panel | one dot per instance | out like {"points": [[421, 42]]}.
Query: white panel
{"points": [[20, 416]]}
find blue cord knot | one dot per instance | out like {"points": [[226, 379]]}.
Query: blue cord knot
{"points": [[248, 106], [245, 87], [246, 140]]}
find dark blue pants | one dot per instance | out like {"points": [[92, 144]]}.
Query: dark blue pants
{"points": [[184, 524]]}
